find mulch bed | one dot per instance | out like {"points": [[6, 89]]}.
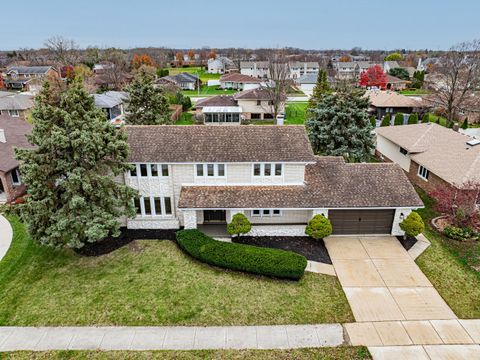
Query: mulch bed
{"points": [[312, 249], [408, 242], [110, 243]]}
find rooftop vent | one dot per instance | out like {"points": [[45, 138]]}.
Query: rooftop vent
{"points": [[473, 142]]}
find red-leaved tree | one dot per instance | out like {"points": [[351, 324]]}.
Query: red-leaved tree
{"points": [[458, 202], [374, 76]]}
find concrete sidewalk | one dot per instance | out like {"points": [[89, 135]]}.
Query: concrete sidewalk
{"points": [[170, 338], [6, 234]]}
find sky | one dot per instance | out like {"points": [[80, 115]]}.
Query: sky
{"points": [[307, 24]]}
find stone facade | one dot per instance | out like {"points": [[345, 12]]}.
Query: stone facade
{"points": [[276, 230]]}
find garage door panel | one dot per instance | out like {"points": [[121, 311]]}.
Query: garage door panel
{"points": [[351, 222]]}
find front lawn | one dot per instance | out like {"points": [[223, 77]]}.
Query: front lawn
{"points": [[186, 119], [295, 113], [337, 353], [445, 263], [151, 282], [195, 70]]}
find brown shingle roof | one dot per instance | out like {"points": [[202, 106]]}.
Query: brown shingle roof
{"points": [[253, 94], [240, 78], [220, 100], [329, 183], [198, 143], [15, 134], [392, 99], [442, 151]]}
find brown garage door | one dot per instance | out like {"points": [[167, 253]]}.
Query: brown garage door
{"points": [[351, 222]]}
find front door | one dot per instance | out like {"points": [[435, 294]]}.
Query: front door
{"points": [[214, 216]]}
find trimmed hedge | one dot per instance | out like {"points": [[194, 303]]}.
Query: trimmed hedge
{"points": [[240, 257]]}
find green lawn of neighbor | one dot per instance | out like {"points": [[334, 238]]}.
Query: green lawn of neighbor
{"points": [[196, 70], [209, 91], [448, 265], [186, 119], [410, 92], [295, 113], [151, 282], [332, 353]]}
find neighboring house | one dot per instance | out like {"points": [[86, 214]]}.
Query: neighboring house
{"points": [[430, 154], [195, 176], [184, 81], [427, 64], [28, 78], [389, 65], [383, 102], [395, 83], [258, 69], [346, 70], [13, 133], [298, 69], [219, 110], [220, 65], [14, 105], [102, 67], [239, 82], [112, 103], [257, 104], [306, 83]]}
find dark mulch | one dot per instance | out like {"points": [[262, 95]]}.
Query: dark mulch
{"points": [[408, 242], [312, 249], [110, 243]]}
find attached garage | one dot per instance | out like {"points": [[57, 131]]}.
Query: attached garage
{"points": [[354, 222]]}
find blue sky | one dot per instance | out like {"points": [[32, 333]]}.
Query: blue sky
{"points": [[309, 24]]}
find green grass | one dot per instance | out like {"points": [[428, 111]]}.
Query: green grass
{"points": [[186, 119], [152, 282], [337, 353], [295, 113], [445, 265], [197, 70], [209, 91], [414, 92], [437, 119]]}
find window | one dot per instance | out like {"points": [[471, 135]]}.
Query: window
{"points": [[149, 170], [210, 170], [403, 151], [143, 170], [158, 205], [266, 212], [154, 169], [147, 206], [136, 203], [259, 102], [164, 170], [168, 206], [13, 113], [255, 116], [265, 170], [133, 172], [153, 206], [423, 173], [16, 177]]}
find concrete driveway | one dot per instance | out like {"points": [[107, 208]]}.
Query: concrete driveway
{"points": [[382, 282]]}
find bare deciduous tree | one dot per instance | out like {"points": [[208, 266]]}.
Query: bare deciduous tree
{"points": [[115, 72], [64, 51], [454, 80], [278, 83]]}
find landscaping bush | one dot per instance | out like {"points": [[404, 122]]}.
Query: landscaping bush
{"points": [[319, 227], [426, 118], [373, 121], [240, 257], [413, 119], [386, 120], [398, 119], [461, 234], [239, 225], [413, 225], [465, 124]]}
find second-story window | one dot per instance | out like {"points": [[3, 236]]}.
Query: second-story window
{"points": [[210, 170], [267, 169], [149, 170]]}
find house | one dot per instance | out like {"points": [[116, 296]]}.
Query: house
{"points": [[28, 78], [389, 65], [102, 67], [219, 110], [14, 105], [298, 69], [258, 69], [346, 70], [427, 64], [239, 82], [184, 81], [383, 102], [13, 133], [197, 176], [306, 83], [220, 65], [257, 104], [430, 154], [112, 103], [395, 83]]}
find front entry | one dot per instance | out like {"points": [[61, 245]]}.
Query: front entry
{"points": [[214, 216]]}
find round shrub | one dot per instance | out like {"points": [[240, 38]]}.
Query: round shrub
{"points": [[412, 225], [319, 227], [239, 225], [460, 234], [413, 119], [398, 119], [240, 257], [386, 120]]}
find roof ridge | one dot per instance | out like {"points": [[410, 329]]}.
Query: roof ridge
{"points": [[471, 168], [423, 135]]}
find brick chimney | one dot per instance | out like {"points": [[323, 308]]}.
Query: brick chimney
{"points": [[3, 139], [455, 127]]}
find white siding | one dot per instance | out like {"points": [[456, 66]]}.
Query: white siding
{"points": [[392, 151]]}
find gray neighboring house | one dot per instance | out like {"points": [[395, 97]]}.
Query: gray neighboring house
{"points": [[306, 83], [112, 103], [15, 105], [184, 81], [198, 176], [220, 65]]}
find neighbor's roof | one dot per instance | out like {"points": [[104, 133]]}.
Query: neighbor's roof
{"points": [[240, 78], [329, 182], [442, 151], [394, 79], [307, 79], [109, 99], [220, 100], [16, 102], [198, 143], [253, 94], [251, 64], [15, 134], [392, 99], [29, 69], [392, 64]]}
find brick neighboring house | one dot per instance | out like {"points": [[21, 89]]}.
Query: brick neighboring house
{"points": [[28, 78], [13, 133], [383, 102], [239, 82], [430, 154], [257, 104], [13, 105]]}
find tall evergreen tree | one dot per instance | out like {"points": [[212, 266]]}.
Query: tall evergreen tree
{"points": [[321, 88], [146, 104], [73, 198], [340, 126]]}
